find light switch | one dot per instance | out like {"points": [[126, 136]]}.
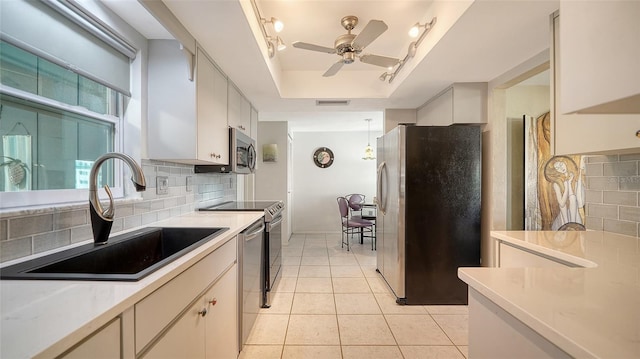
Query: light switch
{"points": [[162, 185]]}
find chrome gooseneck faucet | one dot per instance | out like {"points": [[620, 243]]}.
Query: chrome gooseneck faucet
{"points": [[102, 219]]}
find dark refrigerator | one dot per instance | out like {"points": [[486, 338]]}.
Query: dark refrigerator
{"points": [[428, 221]]}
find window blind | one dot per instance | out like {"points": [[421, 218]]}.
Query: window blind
{"points": [[36, 27]]}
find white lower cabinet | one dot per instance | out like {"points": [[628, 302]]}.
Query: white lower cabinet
{"points": [[208, 329], [194, 315], [104, 343]]}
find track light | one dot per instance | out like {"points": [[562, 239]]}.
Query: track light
{"points": [[415, 29], [277, 24], [384, 76], [280, 44]]}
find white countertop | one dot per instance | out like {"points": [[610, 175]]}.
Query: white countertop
{"points": [[43, 318], [591, 312]]}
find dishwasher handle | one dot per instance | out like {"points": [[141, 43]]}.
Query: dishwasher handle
{"points": [[254, 233]]}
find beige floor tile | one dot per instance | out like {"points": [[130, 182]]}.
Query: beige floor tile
{"points": [[314, 272], [291, 260], [269, 329], [312, 330], [366, 259], [280, 303], [370, 271], [456, 327], [313, 303], [388, 305], [289, 271], [316, 237], [364, 330], [416, 330], [447, 309], [337, 251], [314, 285], [285, 284], [315, 261], [315, 251], [356, 304], [333, 237], [371, 352], [261, 352], [350, 285], [346, 271], [431, 352], [343, 261], [292, 251], [378, 285], [464, 349], [311, 352]]}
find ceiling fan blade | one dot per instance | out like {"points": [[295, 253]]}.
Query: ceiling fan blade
{"points": [[333, 69], [370, 32], [379, 60], [312, 47]]}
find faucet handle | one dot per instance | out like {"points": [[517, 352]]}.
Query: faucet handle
{"points": [[109, 212]]}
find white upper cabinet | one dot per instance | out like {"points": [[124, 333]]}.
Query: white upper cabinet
{"points": [[239, 110], [187, 117], [600, 53], [582, 133], [460, 103], [254, 124]]}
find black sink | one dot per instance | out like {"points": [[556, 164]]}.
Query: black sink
{"points": [[127, 257]]}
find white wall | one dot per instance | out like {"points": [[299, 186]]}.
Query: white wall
{"points": [[315, 189], [271, 177]]}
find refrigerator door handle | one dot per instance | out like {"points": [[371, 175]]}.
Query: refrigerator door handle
{"points": [[381, 201]]}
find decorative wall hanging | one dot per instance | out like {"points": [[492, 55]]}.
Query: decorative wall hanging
{"points": [[270, 153], [323, 157]]}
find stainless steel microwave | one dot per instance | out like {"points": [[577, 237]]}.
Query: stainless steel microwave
{"points": [[242, 155]]}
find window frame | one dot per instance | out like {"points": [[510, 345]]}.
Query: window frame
{"points": [[10, 201]]}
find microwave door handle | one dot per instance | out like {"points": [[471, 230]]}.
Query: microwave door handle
{"points": [[252, 158]]}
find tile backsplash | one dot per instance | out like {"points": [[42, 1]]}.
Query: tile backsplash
{"points": [[613, 193], [27, 232]]}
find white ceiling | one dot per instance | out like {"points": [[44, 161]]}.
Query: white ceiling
{"points": [[472, 41]]}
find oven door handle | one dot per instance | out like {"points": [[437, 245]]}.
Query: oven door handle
{"points": [[254, 234], [275, 222]]}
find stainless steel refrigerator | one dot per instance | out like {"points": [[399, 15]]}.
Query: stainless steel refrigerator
{"points": [[428, 218]]}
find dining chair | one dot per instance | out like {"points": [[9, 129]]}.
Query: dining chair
{"points": [[349, 225], [356, 201]]}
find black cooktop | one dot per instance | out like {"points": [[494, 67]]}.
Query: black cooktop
{"points": [[240, 206]]}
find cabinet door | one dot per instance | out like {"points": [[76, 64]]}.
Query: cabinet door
{"points": [[212, 136], [105, 343], [254, 124], [586, 133], [600, 52], [185, 339], [222, 317], [239, 110]]}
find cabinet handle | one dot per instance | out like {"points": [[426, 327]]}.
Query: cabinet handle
{"points": [[203, 312], [213, 155], [213, 301], [242, 127]]}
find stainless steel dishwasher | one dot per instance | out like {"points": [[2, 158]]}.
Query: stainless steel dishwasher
{"points": [[250, 277]]}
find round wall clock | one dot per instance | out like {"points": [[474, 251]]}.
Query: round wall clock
{"points": [[323, 157]]}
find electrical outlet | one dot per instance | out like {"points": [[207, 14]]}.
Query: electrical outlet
{"points": [[162, 185], [189, 183]]}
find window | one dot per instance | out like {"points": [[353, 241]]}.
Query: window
{"points": [[58, 111]]}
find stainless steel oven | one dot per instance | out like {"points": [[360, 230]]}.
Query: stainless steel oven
{"points": [[242, 155], [272, 255]]}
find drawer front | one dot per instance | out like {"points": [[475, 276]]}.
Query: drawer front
{"points": [[156, 311]]}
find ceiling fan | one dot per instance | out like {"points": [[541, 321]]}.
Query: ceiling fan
{"points": [[349, 46]]}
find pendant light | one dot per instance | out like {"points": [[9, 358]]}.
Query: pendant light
{"points": [[368, 151]]}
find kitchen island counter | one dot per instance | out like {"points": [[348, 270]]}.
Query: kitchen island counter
{"points": [[591, 312], [44, 318]]}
